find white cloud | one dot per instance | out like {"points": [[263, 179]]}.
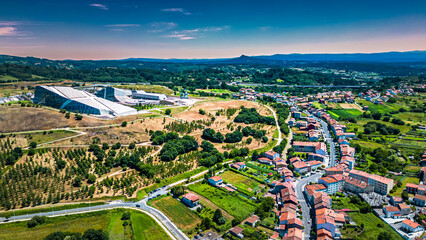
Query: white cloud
{"points": [[179, 10], [9, 23], [162, 26], [195, 33], [100, 6], [180, 36], [8, 31]]}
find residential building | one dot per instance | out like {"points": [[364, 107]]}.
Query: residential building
{"points": [[410, 226], [419, 200], [391, 212], [271, 155], [215, 180], [190, 199], [357, 186], [330, 183], [404, 208], [381, 184], [312, 147], [237, 231], [252, 220], [238, 165]]}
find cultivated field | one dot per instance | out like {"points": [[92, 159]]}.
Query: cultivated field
{"points": [[240, 181]]}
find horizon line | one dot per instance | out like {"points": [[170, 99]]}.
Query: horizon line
{"points": [[154, 58]]}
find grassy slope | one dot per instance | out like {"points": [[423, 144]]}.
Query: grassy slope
{"points": [[370, 222]]}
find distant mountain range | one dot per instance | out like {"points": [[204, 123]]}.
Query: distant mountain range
{"points": [[388, 57], [386, 63]]}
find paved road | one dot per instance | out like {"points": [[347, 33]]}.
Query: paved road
{"points": [[329, 139], [306, 213]]}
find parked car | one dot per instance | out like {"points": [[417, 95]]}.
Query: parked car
{"points": [[137, 205]]}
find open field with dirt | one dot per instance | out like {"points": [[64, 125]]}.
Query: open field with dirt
{"points": [[225, 124], [15, 118], [134, 132]]}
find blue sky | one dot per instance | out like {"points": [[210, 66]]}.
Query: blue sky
{"points": [[113, 29]]}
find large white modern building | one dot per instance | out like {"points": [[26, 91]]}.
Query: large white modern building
{"points": [[150, 96], [75, 100]]}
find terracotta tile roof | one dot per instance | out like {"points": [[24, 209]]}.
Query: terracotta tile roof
{"points": [[300, 165], [295, 221], [237, 230], [216, 178], [410, 223], [391, 209], [328, 180], [421, 197], [191, 197], [324, 232], [403, 206], [252, 219], [411, 185]]}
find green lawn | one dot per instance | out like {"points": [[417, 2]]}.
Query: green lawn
{"points": [[178, 212], [398, 191], [371, 231], [108, 221], [116, 229], [344, 113], [145, 228], [235, 206], [240, 181], [344, 203]]}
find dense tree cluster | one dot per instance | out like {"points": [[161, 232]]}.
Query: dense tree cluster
{"points": [[250, 115], [160, 137], [282, 114], [90, 234], [212, 135], [265, 207], [234, 137], [209, 155], [177, 146], [257, 134], [372, 127], [289, 76]]}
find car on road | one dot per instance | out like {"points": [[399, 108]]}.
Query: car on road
{"points": [[137, 205], [309, 221]]}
